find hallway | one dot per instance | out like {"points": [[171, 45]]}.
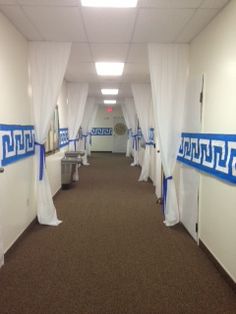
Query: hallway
{"points": [[111, 254]]}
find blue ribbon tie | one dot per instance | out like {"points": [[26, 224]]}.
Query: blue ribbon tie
{"points": [[74, 141], [90, 138], [135, 141], [41, 159], [165, 180], [84, 136]]}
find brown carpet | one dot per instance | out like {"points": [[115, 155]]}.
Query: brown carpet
{"points": [[111, 255]]}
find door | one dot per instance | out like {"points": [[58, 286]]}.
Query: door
{"points": [[189, 177], [120, 135]]}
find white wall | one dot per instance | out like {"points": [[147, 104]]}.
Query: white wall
{"points": [[213, 53], [104, 119], [17, 207]]}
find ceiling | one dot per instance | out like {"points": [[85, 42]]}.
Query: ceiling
{"points": [[101, 34]]}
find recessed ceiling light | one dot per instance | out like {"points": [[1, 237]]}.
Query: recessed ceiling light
{"points": [[109, 102], [109, 68], [109, 91], [110, 3]]}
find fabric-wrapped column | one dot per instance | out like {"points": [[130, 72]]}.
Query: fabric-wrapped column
{"points": [[48, 63]]}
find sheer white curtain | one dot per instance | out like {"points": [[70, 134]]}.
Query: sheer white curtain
{"points": [[168, 65], [48, 63], [90, 127], [143, 104], [77, 97], [131, 120], [88, 114]]}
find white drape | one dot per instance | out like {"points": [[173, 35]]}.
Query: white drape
{"points": [[88, 114], [168, 65], [77, 97], [131, 121], [90, 127], [143, 104], [48, 63]]}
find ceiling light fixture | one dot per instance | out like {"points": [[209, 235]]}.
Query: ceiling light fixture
{"points": [[109, 68], [109, 91], [109, 102], [110, 3]]}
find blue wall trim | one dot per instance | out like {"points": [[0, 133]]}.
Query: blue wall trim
{"points": [[214, 154], [63, 137], [16, 143], [102, 131]]}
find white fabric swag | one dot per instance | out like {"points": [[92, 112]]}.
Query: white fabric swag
{"points": [[77, 97], [143, 104], [90, 127], [131, 121], [86, 136], [48, 63], [168, 65]]}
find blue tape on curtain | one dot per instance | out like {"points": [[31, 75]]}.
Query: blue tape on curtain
{"points": [[74, 141], [165, 180], [139, 133], [135, 141], [84, 136], [90, 138], [41, 159]]}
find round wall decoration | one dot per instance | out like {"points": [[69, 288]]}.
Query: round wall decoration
{"points": [[120, 129]]}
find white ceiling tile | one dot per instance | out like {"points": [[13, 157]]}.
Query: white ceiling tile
{"points": [[109, 25], [110, 52], [57, 23], [214, 4], [160, 25], [81, 72], [170, 4], [138, 54], [80, 53], [18, 18], [200, 19], [49, 2]]}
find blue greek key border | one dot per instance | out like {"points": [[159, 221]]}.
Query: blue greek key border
{"points": [[16, 143], [63, 137], [102, 131], [214, 154]]}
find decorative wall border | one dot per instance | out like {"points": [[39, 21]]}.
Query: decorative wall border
{"points": [[63, 137], [214, 154], [16, 143], [102, 131]]}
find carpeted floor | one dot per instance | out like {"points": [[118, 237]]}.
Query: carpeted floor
{"points": [[111, 255]]}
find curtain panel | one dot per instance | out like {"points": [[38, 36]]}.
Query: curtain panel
{"points": [[47, 66], [143, 104], [168, 65], [131, 121], [86, 135], [77, 97]]}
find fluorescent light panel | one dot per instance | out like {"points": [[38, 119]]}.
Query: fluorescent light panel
{"points": [[109, 102], [109, 68], [109, 91], [109, 3]]}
